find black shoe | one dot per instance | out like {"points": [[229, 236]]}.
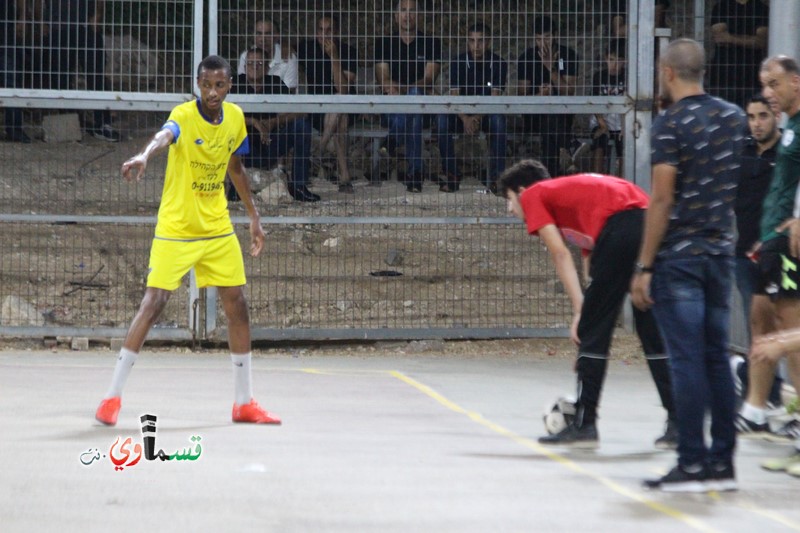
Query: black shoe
{"points": [[346, 188], [413, 183], [451, 183], [680, 479], [18, 136], [302, 194], [722, 477], [669, 440], [106, 133], [747, 428], [572, 435]]}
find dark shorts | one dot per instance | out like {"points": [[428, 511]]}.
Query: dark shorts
{"points": [[780, 272]]}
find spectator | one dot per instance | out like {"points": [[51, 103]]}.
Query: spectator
{"points": [[549, 69], [616, 11], [687, 251], [757, 384], [602, 215], [407, 63], [606, 129], [12, 25], [280, 56], [273, 135], [330, 67], [76, 39], [477, 72], [739, 32]]}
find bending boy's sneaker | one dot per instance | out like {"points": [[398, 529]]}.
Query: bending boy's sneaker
{"points": [[669, 440], [722, 477], [572, 435], [680, 479], [747, 428], [108, 410], [782, 464], [107, 133], [252, 413]]}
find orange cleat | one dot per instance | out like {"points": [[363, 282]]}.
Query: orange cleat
{"points": [[108, 411], [252, 413]]}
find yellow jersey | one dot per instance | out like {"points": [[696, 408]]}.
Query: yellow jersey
{"points": [[193, 203]]}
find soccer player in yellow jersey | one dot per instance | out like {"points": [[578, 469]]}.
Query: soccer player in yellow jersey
{"points": [[206, 139]]}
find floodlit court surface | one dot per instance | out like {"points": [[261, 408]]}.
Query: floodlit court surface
{"points": [[381, 443]]}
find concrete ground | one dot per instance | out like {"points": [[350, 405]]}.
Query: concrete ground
{"points": [[386, 443]]}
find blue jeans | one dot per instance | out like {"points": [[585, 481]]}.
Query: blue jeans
{"points": [[406, 129], [446, 125], [692, 308], [294, 135]]}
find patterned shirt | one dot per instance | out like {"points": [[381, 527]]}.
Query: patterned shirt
{"points": [[703, 138]]}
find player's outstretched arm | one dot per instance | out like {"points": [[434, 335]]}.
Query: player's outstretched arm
{"points": [[242, 185], [133, 168]]}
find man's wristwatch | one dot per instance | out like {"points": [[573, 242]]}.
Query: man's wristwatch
{"points": [[639, 268]]}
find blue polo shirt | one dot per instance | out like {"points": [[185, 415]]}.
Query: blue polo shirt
{"points": [[478, 78], [703, 138]]}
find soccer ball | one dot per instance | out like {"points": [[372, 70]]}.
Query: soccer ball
{"points": [[559, 414]]}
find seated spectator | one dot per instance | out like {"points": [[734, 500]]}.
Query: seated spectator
{"points": [[549, 69], [273, 135], [13, 27], [477, 72], [407, 63], [607, 128], [330, 68], [280, 56], [76, 40]]}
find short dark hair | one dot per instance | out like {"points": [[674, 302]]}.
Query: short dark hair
{"points": [[758, 99], [521, 175], [333, 18], [542, 24], [618, 47], [788, 64], [214, 63], [479, 27]]}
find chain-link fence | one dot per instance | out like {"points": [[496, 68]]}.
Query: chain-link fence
{"points": [[397, 116]]}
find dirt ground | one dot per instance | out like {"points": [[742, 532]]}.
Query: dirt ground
{"points": [[320, 268]]}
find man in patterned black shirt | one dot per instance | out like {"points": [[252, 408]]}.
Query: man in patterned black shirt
{"points": [[687, 252]]}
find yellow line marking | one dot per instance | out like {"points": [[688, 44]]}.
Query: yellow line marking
{"points": [[535, 446]]}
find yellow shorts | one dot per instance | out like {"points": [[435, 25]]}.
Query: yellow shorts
{"points": [[217, 262]]}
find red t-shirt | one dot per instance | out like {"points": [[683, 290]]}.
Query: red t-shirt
{"points": [[579, 205]]}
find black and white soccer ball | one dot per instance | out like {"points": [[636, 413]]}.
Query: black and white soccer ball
{"points": [[559, 414]]}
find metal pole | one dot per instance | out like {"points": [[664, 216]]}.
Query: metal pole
{"points": [[784, 28]]}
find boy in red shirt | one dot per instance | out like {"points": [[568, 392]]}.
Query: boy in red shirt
{"points": [[604, 217]]}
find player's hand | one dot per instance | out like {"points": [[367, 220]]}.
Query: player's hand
{"points": [[256, 237], [573, 329], [133, 168], [793, 225], [640, 291]]}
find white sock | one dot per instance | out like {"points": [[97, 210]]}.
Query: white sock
{"points": [[125, 362], [242, 380], [753, 413]]}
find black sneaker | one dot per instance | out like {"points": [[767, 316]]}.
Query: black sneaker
{"points": [[680, 479], [669, 440], [302, 194], [721, 477], [747, 428], [572, 435], [106, 133]]}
